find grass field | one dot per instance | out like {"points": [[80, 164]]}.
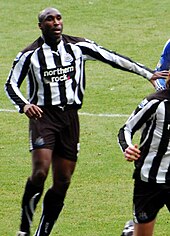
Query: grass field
{"points": [[100, 197]]}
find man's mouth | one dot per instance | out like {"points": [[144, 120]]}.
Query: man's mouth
{"points": [[57, 30]]}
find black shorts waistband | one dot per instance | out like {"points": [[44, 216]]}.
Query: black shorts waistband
{"points": [[62, 108]]}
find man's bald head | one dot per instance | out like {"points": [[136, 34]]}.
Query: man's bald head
{"points": [[44, 13]]}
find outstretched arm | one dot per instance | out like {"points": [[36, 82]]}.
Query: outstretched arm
{"points": [[93, 51]]}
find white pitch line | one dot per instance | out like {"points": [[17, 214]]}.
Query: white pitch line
{"points": [[7, 110], [103, 115], [81, 113]]}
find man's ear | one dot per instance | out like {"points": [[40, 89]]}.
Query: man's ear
{"points": [[39, 25]]}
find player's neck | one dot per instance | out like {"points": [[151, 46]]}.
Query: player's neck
{"points": [[51, 42]]}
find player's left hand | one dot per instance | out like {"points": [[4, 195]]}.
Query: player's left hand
{"points": [[160, 74]]}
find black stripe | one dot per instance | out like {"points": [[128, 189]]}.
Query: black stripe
{"points": [[167, 177], [121, 138], [33, 87], [62, 87], [145, 117], [24, 70], [74, 84], [43, 67], [80, 94]]}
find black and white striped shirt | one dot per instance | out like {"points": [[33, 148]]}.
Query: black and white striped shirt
{"points": [[153, 118], [56, 74]]}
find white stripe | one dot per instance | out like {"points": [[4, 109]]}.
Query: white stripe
{"points": [[82, 113], [31, 203], [39, 228], [28, 217]]}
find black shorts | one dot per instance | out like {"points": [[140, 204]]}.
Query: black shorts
{"points": [[148, 199], [57, 130]]}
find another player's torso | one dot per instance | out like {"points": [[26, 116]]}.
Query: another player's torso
{"points": [[155, 151]]}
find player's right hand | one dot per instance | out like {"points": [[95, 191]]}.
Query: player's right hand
{"points": [[132, 153], [32, 111]]}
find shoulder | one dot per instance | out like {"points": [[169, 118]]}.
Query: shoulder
{"points": [[154, 99], [27, 51], [72, 39], [34, 45], [160, 95], [167, 46]]}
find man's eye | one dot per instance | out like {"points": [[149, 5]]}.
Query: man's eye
{"points": [[49, 18], [58, 17]]}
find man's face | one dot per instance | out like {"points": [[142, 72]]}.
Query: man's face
{"points": [[51, 24]]}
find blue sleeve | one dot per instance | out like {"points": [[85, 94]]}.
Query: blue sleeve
{"points": [[163, 64]]}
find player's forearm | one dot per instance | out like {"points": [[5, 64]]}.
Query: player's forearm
{"points": [[122, 139], [15, 96]]}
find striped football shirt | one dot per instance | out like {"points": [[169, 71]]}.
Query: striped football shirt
{"points": [[56, 75], [152, 117]]}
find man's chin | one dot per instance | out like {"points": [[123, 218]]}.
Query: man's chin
{"points": [[54, 38]]}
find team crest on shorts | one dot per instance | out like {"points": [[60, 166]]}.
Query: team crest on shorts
{"points": [[39, 142], [142, 216]]}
